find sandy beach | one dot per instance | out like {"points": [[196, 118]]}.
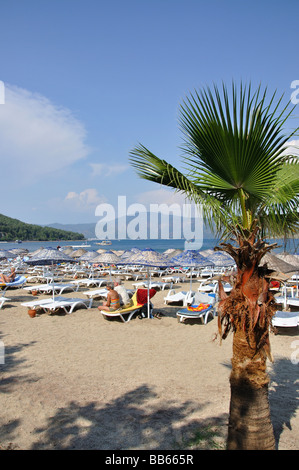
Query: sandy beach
{"points": [[80, 382]]}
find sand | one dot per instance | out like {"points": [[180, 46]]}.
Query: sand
{"points": [[79, 382]]}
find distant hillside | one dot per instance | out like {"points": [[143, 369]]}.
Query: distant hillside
{"points": [[89, 229], [14, 229]]}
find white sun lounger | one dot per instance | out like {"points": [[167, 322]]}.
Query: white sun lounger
{"points": [[182, 296], [48, 288], [90, 282], [3, 300], [285, 319], [285, 301], [153, 285], [96, 293], [202, 314], [50, 305]]}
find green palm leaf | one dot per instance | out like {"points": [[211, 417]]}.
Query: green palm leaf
{"points": [[234, 157]]}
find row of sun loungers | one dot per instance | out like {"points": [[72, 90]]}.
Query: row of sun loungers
{"points": [[283, 318]]}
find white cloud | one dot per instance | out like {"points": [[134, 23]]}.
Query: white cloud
{"points": [[292, 147], [36, 136], [103, 169], [161, 196], [83, 201]]}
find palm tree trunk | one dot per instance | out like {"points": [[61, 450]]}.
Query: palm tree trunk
{"points": [[248, 311], [250, 426]]}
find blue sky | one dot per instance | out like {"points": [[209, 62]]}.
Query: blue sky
{"points": [[87, 80]]}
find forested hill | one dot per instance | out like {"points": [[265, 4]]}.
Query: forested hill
{"points": [[14, 229]]}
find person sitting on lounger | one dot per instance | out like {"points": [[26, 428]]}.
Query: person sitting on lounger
{"points": [[113, 299], [6, 278], [123, 294]]}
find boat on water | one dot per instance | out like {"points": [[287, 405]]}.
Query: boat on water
{"points": [[84, 245], [105, 242]]}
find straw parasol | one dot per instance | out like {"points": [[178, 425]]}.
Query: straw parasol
{"points": [[191, 259], [88, 256], [218, 258], [108, 258], [35, 252], [277, 264], [289, 258], [19, 251], [6, 254], [78, 253], [49, 256], [171, 252], [67, 250]]}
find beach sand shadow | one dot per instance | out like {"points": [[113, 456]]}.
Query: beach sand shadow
{"points": [[131, 421]]}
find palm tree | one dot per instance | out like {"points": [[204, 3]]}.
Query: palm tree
{"points": [[238, 169]]}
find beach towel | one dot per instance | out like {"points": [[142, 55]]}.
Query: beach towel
{"points": [[198, 308], [142, 295]]}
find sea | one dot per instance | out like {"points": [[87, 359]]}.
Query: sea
{"points": [[290, 246]]}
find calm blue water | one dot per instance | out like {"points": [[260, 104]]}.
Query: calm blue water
{"points": [[159, 245]]}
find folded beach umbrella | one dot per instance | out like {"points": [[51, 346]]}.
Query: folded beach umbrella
{"points": [[148, 257], [191, 259]]}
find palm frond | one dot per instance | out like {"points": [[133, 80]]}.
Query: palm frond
{"points": [[235, 159]]}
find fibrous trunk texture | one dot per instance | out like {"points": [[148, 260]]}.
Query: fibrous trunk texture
{"points": [[247, 311]]}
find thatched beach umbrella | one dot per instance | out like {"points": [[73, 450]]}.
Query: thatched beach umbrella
{"points": [[171, 252], [68, 250], [289, 258], [19, 251], [88, 256], [191, 259], [35, 252], [108, 258], [101, 250], [277, 264], [49, 256], [78, 253], [6, 254], [219, 259]]}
